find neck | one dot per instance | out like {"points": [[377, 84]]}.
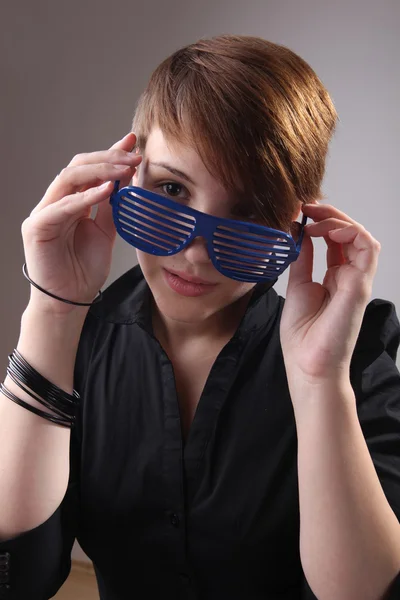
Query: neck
{"points": [[214, 330]]}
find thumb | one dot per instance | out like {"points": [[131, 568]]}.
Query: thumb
{"points": [[104, 219], [302, 268]]}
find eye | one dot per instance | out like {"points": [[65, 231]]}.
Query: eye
{"points": [[172, 189]]}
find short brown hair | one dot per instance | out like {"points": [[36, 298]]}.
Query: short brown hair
{"points": [[256, 113]]}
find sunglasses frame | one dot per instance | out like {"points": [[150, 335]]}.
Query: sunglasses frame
{"points": [[206, 225]]}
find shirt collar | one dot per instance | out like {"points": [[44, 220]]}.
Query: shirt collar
{"points": [[128, 300]]}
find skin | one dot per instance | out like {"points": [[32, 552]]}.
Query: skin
{"points": [[179, 320]]}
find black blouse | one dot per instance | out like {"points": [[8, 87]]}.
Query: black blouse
{"points": [[218, 517]]}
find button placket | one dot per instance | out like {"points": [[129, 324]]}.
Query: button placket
{"points": [[4, 574], [175, 520]]}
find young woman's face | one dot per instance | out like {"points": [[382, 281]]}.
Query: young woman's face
{"points": [[193, 186]]}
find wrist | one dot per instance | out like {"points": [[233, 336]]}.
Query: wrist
{"points": [[325, 410], [308, 393], [315, 380], [46, 307], [49, 343], [44, 322]]}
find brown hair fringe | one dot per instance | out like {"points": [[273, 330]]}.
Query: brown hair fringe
{"points": [[256, 113]]}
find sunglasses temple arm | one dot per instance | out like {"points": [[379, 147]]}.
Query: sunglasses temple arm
{"points": [[116, 187], [115, 190], [303, 222]]}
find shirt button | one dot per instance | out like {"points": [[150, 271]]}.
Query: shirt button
{"points": [[185, 579], [4, 560], [4, 591], [175, 520]]}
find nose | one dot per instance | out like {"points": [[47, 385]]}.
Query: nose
{"points": [[196, 252]]}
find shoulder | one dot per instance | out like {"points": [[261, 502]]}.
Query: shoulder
{"points": [[379, 332], [124, 302], [373, 367]]}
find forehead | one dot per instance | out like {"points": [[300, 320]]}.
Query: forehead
{"points": [[160, 147], [183, 157]]}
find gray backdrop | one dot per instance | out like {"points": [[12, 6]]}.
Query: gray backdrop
{"points": [[71, 73]]}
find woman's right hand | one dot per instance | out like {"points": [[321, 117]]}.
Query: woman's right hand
{"points": [[67, 252]]}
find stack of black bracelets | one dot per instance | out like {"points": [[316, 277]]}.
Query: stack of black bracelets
{"points": [[40, 388]]}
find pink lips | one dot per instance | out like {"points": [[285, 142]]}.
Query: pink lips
{"points": [[191, 278], [187, 285]]}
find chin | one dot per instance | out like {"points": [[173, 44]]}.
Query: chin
{"points": [[188, 309], [185, 312]]}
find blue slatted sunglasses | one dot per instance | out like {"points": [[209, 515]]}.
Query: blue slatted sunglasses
{"points": [[238, 249]]}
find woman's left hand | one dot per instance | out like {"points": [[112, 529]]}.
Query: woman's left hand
{"points": [[320, 323]]}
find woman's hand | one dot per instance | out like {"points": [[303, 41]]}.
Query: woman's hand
{"points": [[320, 323], [67, 252]]}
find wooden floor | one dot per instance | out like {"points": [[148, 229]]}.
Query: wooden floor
{"points": [[80, 585]]}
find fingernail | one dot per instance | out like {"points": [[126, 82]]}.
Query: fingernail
{"points": [[125, 136]]}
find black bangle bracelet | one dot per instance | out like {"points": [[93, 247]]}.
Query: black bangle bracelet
{"points": [[97, 299], [49, 400], [58, 420], [43, 390], [45, 403], [44, 385]]}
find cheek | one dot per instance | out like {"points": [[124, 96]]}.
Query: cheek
{"points": [[149, 263]]}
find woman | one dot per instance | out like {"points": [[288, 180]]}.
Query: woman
{"points": [[214, 416]]}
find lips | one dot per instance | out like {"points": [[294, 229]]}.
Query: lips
{"points": [[177, 282], [190, 278]]}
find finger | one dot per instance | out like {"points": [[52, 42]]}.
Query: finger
{"points": [[48, 221], [318, 212], [335, 253], [301, 270], [118, 153], [115, 156], [74, 179], [323, 227], [366, 248], [126, 143], [124, 181], [104, 220], [104, 217], [119, 157]]}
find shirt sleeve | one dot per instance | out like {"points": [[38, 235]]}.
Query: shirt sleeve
{"points": [[36, 563], [376, 383]]}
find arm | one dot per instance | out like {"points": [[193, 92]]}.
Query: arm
{"points": [[34, 467], [45, 516], [349, 534]]}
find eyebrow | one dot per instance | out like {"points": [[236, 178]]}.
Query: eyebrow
{"points": [[172, 170]]}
